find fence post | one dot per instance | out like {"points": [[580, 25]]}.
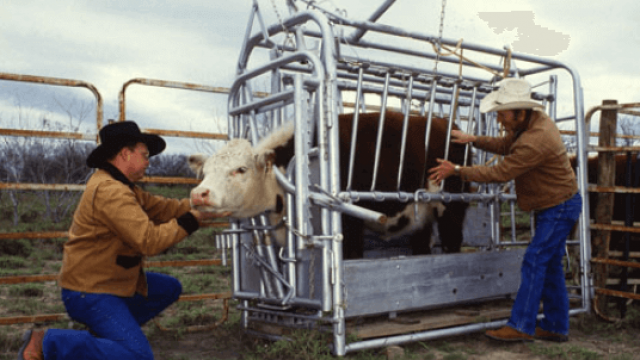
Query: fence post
{"points": [[604, 208]]}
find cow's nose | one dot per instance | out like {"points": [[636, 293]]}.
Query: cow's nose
{"points": [[200, 197]]}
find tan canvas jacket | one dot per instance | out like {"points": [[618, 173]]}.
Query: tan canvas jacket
{"points": [[114, 227], [537, 160]]}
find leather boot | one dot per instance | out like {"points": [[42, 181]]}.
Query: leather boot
{"points": [[507, 333], [32, 347], [542, 334]]}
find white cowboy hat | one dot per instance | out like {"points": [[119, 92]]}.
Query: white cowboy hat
{"points": [[512, 94]]}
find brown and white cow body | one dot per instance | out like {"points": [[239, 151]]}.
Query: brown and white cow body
{"points": [[239, 179]]}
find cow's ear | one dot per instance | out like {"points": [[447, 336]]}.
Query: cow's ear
{"points": [[265, 160], [196, 163]]}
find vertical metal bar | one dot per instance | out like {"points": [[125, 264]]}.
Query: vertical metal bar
{"points": [[235, 254], [376, 162], [272, 259], [260, 251], [452, 111], [301, 160], [354, 129], [222, 239], [276, 87], [470, 120], [292, 246], [553, 90], [512, 211], [405, 128], [427, 135], [494, 205], [335, 222]]}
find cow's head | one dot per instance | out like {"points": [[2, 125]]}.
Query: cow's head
{"points": [[238, 179]]}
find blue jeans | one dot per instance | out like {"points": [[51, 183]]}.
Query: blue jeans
{"points": [[542, 274], [114, 320]]}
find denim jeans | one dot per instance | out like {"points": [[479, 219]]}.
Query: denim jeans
{"points": [[542, 274], [115, 322]]}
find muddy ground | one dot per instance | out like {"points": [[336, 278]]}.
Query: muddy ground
{"points": [[589, 338]]}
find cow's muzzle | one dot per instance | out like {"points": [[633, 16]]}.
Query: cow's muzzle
{"points": [[200, 198]]}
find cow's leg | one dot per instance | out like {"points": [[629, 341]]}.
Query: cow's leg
{"points": [[353, 242], [420, 240], [450, 226]]}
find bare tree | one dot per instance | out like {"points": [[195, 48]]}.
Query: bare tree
{"points": [[629, 127], [45, 161]]}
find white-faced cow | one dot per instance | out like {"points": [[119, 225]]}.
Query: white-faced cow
{"points": [[239, 179]]}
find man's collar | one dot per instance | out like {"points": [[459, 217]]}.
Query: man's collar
{"points": [[116, 174]]}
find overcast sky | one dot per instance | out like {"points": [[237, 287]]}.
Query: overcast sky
{"points": [[108, 42]]}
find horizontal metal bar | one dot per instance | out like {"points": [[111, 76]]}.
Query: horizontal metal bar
{"points": [[617, 293], [33, 319], [196, 297], [62, 82], [621, 263], [59, 317], [423, 196], [170, 180], [613, 189], [182, 263], [285, 314], [614, 228], [614, 148], [282, 96], [435, 334], [630, 112], [151, 264], [79, 187], [170, 84], [9, 280], [54, 187], [34, 235], [632, 254], [611, 281], [48, 134], [186, 134]]}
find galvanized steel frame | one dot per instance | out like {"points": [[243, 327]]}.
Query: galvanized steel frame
{"points": [[318, 82]]}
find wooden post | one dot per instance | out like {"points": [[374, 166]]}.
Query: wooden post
{"points": [[604, 209]]}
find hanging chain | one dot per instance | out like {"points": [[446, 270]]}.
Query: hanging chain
{"points": [[287, 34], [275, 9], [440, 31]]}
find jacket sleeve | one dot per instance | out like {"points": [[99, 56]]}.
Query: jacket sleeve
{"points": [[118, 208], [496, 145], [523, 158], [161, 209]]}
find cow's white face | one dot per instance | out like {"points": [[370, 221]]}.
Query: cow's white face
{"points": [[236, 179]]}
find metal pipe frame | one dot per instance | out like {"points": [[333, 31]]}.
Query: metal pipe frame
{"points": [[62, 82], [434, 334], [329, 86]]}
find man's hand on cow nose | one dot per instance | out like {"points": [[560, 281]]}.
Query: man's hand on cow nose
{"points": [[202, 216]]}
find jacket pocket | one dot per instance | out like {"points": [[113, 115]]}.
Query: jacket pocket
{"points": [[128, 262]]}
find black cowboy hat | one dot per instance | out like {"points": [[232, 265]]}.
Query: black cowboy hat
{"points": [[115, 136]]}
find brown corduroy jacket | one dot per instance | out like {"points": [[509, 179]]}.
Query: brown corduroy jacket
{"points": [[537, 160], [115, 226]]}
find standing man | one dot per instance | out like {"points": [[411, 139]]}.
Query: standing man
{"points": [[535, 156], [116, 225]]}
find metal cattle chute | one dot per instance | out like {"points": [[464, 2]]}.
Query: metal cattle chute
{"points": [[317, 64]]}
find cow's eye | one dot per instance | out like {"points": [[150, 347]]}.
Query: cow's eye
{"points": [[240, 170]]}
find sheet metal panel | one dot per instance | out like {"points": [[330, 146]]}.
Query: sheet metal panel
{"points": [[387, 285]]}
